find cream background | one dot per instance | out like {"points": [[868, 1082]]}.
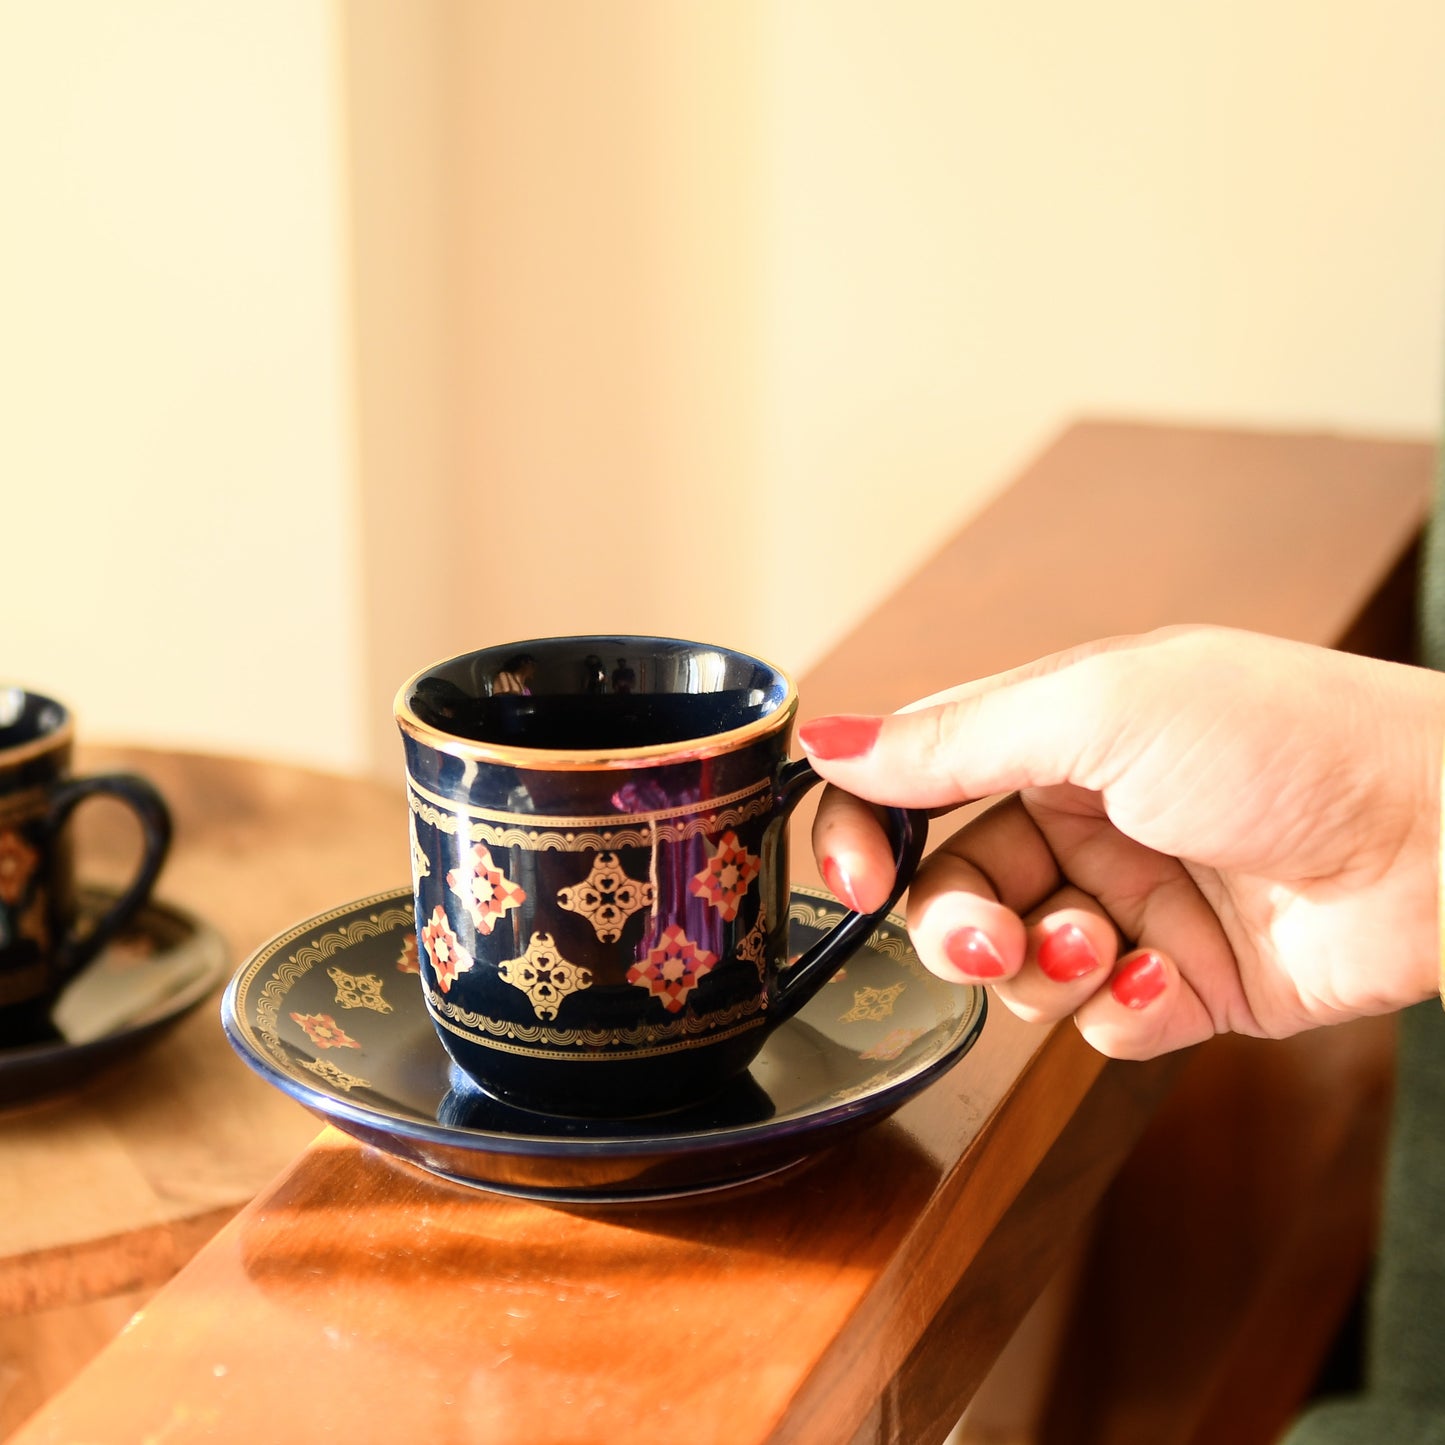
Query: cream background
{"points": [[179, 503], [335, 337]]}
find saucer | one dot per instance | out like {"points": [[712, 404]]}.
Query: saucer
{"points": [[144, 982], [326, 1013]]}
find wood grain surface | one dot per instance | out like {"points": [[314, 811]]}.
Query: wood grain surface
{"points": [[115, 1188], [863, 1297]]}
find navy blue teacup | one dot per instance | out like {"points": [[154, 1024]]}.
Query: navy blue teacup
{"points": [[42, 945], [600, 856]]}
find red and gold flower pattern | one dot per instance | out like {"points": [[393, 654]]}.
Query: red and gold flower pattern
{"points": [[407, 960], [892, 1044], [17, 863], [448, 957], [325, 1032], [728, 875], [673, 969], [486, 892]]}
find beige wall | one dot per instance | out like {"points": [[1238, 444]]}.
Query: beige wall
{"points": [[559, 323], [985, 218], [387, 329], [179, 514]]}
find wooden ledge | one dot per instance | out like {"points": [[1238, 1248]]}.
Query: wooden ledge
{"points": [[865, 1297]]}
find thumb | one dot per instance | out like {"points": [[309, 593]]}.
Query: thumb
{"points": [[1062, 719]]}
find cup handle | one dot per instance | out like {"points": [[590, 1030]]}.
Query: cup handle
{"points": [[908, 833], [155, 825]]}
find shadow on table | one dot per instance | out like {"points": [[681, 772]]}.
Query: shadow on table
{"points": [[824, 1219]]}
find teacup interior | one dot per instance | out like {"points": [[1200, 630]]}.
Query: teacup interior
{"points": [[588, 693], [26, 717]]}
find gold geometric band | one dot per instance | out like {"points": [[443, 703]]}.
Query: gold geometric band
{"points": [[695, 1041], [603, 834]]}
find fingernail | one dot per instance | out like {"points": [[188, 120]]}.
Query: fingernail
{"points": [[839, 737], [971, 951], [835, 875], [1140, 981], [1066, 954]]}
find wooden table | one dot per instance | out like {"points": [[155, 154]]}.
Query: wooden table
{"points": [[865, 1297], [104, 1195]]}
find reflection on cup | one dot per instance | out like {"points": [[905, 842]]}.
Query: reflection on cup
{"points": [[740, 1103]]}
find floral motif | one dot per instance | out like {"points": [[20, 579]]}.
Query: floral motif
{"points": [[358, 990], [486, 892], [407, 961], [872, 1005], [607, 897], [753, 946], [544, 975], [325, 1032], [892, 1044], [17, 863], [448, 957], [728, 875], [673, 969], [325, 1069]]}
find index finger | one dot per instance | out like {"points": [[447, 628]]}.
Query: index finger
{"points": [[1058, 720]]}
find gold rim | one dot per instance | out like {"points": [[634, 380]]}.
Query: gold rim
{"points": [[62, 737], [599, 759]]}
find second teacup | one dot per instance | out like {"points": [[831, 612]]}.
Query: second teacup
{"points": [[41, 945]]}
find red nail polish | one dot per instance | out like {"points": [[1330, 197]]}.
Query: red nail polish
{"points": [[836, 877], [1066, 954], [839, 737], [971, 951], [1140, 981]]}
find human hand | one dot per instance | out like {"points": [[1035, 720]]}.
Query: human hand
{"points": [[1208, 831]]}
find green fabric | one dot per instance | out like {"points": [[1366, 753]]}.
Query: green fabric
{"points": [[1404, 1398], [1405, 1356], [1369, 1422], [1431, 610], [1406, 1349]]}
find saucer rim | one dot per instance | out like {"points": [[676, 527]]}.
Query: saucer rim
{"points": [[970, 1020], [202, 934], [587, 1198]]}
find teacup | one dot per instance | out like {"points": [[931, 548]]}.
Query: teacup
{"points": [[41, 946], [600, 859]]}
